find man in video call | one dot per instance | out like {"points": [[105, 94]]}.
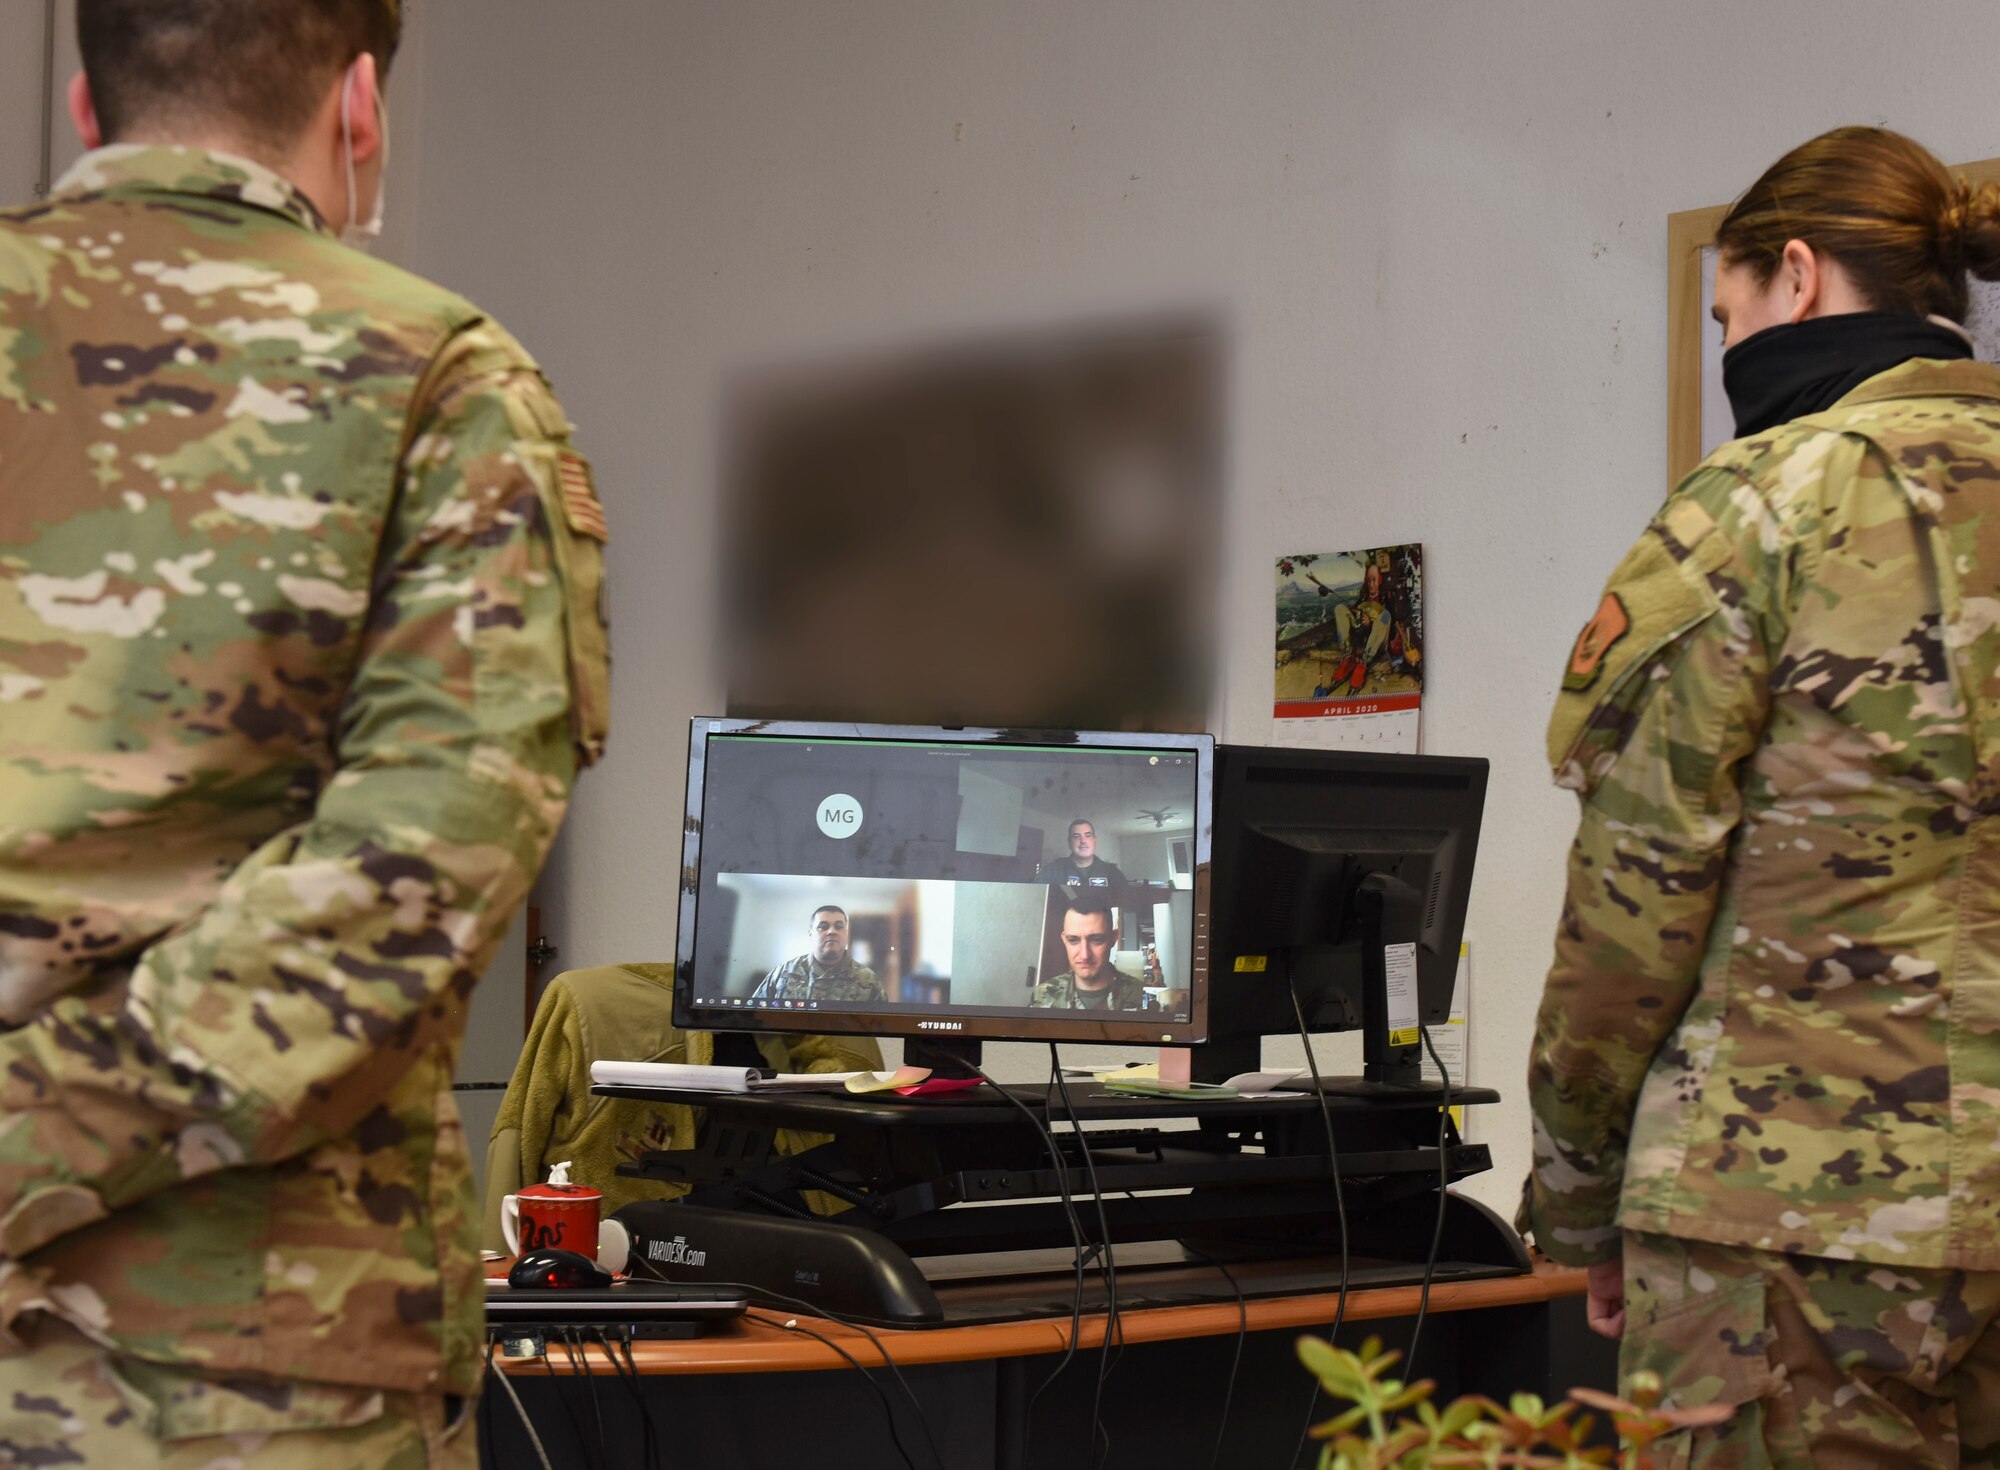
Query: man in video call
{"points": [[1083, 869], [826, 972], [1091, 983]]}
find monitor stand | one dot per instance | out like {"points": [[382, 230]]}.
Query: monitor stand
{"points": [[1389, 913], [945, 1056]]}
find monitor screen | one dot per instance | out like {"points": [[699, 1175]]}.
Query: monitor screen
{"points": [[893, 880]]}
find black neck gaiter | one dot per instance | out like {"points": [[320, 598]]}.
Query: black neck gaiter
{"points": [[1788, 371]]}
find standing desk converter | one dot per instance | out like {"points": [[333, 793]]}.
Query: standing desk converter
{"points": [[948, 1198]]}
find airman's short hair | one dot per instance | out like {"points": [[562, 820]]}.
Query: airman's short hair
{"points": [[1086, 902], [256, 67]]}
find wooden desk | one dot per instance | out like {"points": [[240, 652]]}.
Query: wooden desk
{"points": [[1162, 1404], [759, 1342]]}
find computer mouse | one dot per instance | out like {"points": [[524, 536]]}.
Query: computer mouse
{"points": [[549, 1267]]}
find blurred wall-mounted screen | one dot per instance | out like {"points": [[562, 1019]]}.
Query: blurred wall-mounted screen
{"points": [[1021, 530]]}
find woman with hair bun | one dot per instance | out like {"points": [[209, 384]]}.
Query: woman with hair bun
{"points": [[1766, 1071]]}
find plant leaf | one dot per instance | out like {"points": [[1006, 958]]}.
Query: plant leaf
{"points": [[1335, 1367]]}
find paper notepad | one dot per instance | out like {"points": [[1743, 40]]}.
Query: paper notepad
{"points": [[1269, 1084]]}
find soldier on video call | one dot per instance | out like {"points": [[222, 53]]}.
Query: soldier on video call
{"points": [[1091, 983], [1083, 869], [826, 971]]}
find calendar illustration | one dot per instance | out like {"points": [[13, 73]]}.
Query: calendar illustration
{"points": [[1350, 649]]}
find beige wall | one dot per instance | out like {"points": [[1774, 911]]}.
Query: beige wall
{"points": [[1438, 230]]}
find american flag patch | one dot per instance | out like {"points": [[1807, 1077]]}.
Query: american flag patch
{"points": [[580, 502]]}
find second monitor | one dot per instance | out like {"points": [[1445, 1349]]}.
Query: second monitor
{"points": [[1341, 878]]}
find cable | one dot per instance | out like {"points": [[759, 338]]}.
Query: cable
{"points": [[923, 1419], [489, 1457], [519, 1408], [577, 1335], [563, 1403], [1339, 1198], [1112, 1318], [1076, 1296], [573, 1349], [816, 1310], [629, 1374], [1076, 1235], [1107, 1359], [649, 1441], [888, 1409], [1242, 1332], [1444, 1198]]}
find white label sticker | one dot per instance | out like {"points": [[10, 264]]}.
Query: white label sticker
{"points": [[1399, 970]]}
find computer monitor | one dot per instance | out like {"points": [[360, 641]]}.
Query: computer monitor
{"points": [[945, 884], [1343, 875]]}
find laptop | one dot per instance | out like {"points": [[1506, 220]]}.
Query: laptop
{"points": [[621, 1302]]}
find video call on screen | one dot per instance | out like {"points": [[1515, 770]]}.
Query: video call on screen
{"points": [[957, 867]]}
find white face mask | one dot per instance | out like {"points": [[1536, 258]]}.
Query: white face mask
{"points": [[362, 233]]}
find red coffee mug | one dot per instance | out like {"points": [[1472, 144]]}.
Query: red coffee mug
{"points": [[560, 1215]]}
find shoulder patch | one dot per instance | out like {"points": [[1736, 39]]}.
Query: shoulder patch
{"points": [[581, 506], [1605, 628], [1656, 596]]}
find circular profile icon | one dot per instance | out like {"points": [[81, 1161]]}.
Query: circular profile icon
{"points": [[840, 815]]}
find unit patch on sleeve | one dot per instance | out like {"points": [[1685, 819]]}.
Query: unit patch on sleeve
{"points": [[1605, 628]]}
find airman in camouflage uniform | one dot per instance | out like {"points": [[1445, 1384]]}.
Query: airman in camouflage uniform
{"points": [[299, 654], [827, 972], [1089, 933], [1828, 1363], [1767, 1045], [1124, 993]]}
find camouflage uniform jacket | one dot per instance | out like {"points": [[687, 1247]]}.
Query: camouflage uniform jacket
{"points": [[621, 1011], [299, 647], [1127, 993], [1773, 1018], [805, 978]]}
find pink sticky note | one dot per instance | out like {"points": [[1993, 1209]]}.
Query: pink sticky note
{"points": [[936, 1085]]}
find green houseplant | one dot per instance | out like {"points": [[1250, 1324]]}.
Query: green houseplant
{"points": [[1393, 1425]]}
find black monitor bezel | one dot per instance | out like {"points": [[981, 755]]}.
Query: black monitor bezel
{"points": [[1454, 783], [1065, 1027]]}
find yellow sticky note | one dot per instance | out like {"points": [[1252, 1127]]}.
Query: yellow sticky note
{"points": [[883, 1081]]}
